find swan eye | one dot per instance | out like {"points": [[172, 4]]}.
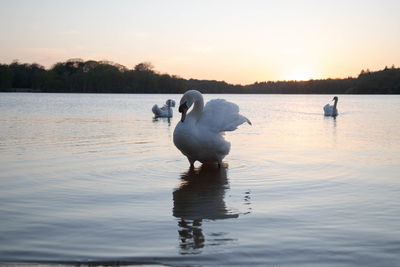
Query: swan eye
{"points": [[183, 107]]}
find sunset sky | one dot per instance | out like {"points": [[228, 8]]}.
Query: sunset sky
{"points": [[235, 41]]}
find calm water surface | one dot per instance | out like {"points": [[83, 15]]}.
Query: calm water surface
{"points": [[95, 179]]}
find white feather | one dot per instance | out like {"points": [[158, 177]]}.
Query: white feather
{"points": [[331, 110], [199, 136], [220, 116], [165, 111]]}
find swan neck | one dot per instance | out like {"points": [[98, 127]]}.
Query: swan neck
{"points": [[198, 105], [334, 106]]}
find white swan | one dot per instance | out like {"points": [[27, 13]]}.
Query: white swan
{"points": [[199, 133], [165, 111], [330, 110]]}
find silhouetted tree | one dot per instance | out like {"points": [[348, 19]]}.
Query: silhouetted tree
{"points": [[77, 75], [144, 66], [6, 77]]}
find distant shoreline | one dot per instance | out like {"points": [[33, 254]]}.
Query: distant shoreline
{"points": [[78, 76], [244, 93]]}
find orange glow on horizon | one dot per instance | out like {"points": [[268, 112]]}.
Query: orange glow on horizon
{"points": [[300, 74]]}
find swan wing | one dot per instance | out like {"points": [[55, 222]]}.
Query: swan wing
{"points": [[162, 112], [156, 110], [220, 115], [328, 109]]}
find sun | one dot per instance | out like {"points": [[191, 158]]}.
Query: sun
{"points": [[299, 75]]}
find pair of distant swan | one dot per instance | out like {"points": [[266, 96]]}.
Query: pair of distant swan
{"points": [[198, 135], [165, 111]]}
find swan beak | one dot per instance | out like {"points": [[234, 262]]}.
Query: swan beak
{"points": [[183, 115], [183, 109]]}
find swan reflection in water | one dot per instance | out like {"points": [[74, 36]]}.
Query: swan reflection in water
{"points": [[201, 197], [157, 119]]}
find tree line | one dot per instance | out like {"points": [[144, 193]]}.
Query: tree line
{"points": [[78, 76]]}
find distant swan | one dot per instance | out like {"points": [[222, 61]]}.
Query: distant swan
{"points": [[165, 111], [199, 133], [330, 110]]}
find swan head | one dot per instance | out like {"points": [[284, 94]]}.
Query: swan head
{"points": [[187, 101], [170, 103], [335, 98], [183, 108]]}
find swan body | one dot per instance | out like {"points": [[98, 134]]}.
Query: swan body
{"points": [[165, 111], [199, 134], [331, 110]]}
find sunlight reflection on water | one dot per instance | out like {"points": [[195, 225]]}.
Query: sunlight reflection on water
{"points": [[95, 178]]}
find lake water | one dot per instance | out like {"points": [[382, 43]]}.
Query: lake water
{"points": [[94, 179]]}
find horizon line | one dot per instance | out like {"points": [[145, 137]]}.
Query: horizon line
{"points": [[367, 70]]}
